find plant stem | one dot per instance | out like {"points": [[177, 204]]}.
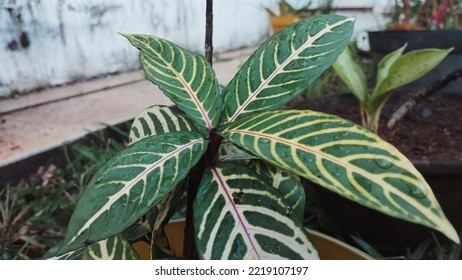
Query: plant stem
{"points": [[209, 31], [195, 177], [421, 95]]}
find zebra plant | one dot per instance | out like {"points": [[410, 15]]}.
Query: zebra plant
{"points": [[244, 155]]}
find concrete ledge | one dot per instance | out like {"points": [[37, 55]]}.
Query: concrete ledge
{"points": [[40, 122]]}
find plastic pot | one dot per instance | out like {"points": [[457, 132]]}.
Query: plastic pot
{"points": [[328, 248]]}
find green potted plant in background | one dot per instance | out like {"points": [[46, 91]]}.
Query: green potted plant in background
{"points": [[239, 158], [394, 70]]}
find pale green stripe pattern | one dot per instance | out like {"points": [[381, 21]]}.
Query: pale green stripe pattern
{"points": [[188, 80], [288, 185], [130, 184], [52, 253], [343, 157], [112, 248], [286, 64], [237, 215], [157, 120]]}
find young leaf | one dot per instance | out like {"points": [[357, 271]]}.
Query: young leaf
{"points": [[157, 120], [352, 75], [288, 185], [189, 81], [238, 216], [384, 66], [228, 151], [343, 157], [130, 184], [286, 64], [112, 248], [407, 68]]}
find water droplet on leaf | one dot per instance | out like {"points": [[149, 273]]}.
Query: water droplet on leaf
{"points": [[383, 163]]}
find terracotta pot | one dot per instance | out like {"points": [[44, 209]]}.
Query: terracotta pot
{"points": [[328, 247], [279, 22]]}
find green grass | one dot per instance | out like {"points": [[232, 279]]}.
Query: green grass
{"points": [[34, 213]]}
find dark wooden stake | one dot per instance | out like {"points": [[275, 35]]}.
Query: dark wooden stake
{"points": [[195, 177], [209, 31], [420, 95]]}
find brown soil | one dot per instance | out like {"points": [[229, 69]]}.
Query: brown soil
{"points": [[431, 131]]}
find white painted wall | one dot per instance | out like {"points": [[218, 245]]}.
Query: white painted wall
{"points": [[65, 41], [71, 40]]}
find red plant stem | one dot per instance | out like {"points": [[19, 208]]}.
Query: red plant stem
{"points": [[195, 176], [406, 11], [441, 15]]}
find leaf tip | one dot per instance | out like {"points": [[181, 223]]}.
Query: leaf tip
{"points": [[451, 233], [352, 19], [126, 35]]}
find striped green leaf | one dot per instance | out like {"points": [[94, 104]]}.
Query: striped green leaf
{"points": [[188, 80], [52, 253], [237, 215], [286, 64], [157, 120], [112, 248], [288, 185], [343, 157], [130, 184]]}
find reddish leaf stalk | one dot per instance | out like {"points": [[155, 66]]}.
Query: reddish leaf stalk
{"points": [[195, 177]]}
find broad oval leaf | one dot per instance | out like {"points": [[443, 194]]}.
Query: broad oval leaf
{"points": [[406, 69], [286, 64], [352, 75], [237, 215], [130, 184], [288, 185], [188, 80], [384, 68], [112, 248], [157, 120], [345, 158]]}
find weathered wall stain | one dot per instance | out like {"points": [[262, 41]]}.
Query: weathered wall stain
{"points": [[21, 35]]}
